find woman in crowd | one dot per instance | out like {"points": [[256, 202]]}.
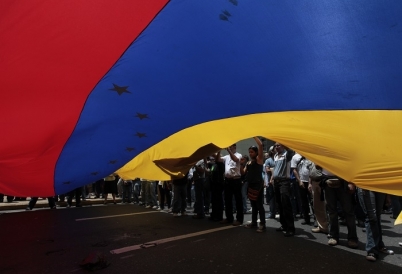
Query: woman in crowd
{"points": [[253, 172]]}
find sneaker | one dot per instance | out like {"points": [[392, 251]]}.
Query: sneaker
{"points": [[175, 215], [371, 257], [237, 223], [148, 206], [318, 230], [353, 244], [28, 208], [332, 242], [261, 228], [154, 207], [387, 251]]}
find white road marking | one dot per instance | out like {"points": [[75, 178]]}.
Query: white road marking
{"points": [[114, 216], [162, 241]]}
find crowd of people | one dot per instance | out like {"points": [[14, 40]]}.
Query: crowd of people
{"points": [[219, 187]]}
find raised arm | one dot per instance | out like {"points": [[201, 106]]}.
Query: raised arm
{"points": [[260, 156]]}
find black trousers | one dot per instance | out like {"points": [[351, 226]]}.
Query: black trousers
{"points": [[77, 193], [233, 188], [50, 200], [217, 201], [165, 196], [283, 196]]}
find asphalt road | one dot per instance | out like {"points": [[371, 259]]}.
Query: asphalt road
{"points": [[139, 240]]}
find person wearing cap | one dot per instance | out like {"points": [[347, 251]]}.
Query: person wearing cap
{"points": [[233, 186]]}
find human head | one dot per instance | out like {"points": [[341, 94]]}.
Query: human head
{"points": [[253, 152], [244, 159], [233, 148], [279, 147]]}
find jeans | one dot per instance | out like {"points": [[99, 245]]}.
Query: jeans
{"points": [[136, 191], [179, 198], [341, 194], [271, 199], [151, 185], [372, 203], [144, 192], [127, 189]]}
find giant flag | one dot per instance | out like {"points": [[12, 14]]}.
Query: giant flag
{"points": [[138, 87]]}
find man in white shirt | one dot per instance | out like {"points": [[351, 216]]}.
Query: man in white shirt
{"points": [[233, 186]]}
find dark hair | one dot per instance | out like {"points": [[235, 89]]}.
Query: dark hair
{"points": [[254, 148], [245, 157]]}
